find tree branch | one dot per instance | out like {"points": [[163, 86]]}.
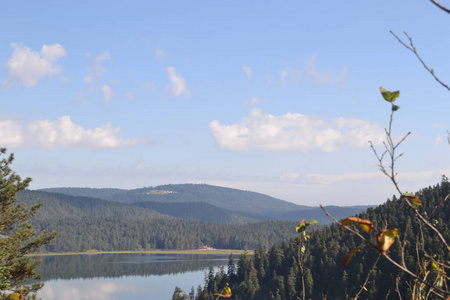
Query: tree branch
{"points": [[413, 49], [442, 7]]}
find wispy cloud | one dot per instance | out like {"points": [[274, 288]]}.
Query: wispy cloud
{"points": [[107, 94], [248, 71], [295, 132], [63, 132], [131, 96], [28, 66], [177, 86], [160, 55], [96, 68], [253, 101], [324, 77]]}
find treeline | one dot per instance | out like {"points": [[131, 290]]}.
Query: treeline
{"points": [[108, 234], [274, 273]]}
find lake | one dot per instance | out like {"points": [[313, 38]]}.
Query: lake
{"points": [[124, 276]]}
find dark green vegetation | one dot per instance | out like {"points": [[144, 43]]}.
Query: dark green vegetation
{"points": [[166, 217], [18, 239], [274, 273]]}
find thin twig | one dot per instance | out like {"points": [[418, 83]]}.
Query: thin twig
{"points": [[363, 287], [413, 49], [397, 280]]}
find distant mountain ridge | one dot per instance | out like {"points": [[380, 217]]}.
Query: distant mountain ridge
{"points": [[211, 203], [226, 198]]}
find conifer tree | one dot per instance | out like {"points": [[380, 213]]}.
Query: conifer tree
{"points": [[17, 238]]}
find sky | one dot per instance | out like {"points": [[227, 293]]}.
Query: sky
{"points": [[275, 97]]}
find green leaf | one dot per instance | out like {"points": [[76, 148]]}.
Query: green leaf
{"points": [[303, 224], [389, 96], [395, 107], [312, 222]]}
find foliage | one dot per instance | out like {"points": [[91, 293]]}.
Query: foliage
{"points": [[17, 238], [274, 272], [431, 274]]}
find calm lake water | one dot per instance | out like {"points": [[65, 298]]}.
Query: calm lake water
{"points": [[124, 276]]}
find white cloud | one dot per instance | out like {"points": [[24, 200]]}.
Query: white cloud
{"points": [[248, 71], [64, 133], [160, 55], [96, 69], [253, 101], [178, 83], [107, 94], [28, 66], [10, 133], [295, 132], [329, 76]]}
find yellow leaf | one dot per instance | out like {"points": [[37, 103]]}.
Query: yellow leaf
{"points": [[386, 238], [346, 259], [366, 225]]}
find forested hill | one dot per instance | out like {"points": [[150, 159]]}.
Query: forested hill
{"points": [[212, 203], [60, 206], [85, 222], [274, 273], [226, 198]]}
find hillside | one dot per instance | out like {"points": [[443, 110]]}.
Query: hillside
{"points": [[274, 273], [200, 211], [226, 198], [60, 206], [85, 223], [212, 203]]}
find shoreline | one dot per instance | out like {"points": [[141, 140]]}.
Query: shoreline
{"points": [[155, 251]]}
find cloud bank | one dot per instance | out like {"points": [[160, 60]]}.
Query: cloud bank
{"points": [[63, 133], [294, 132]]}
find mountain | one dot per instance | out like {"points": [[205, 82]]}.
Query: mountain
{"points": [[226, 198], [60, 206], [202, 202]]}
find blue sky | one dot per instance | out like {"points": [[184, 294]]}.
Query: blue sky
{"points": [[277, 97]]}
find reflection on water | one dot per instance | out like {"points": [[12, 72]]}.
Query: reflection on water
{"points": [[117, 265], [123, 276]]}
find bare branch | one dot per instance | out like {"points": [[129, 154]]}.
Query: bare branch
{"points": [[442, 7], [363, 287], [413, 49]]}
